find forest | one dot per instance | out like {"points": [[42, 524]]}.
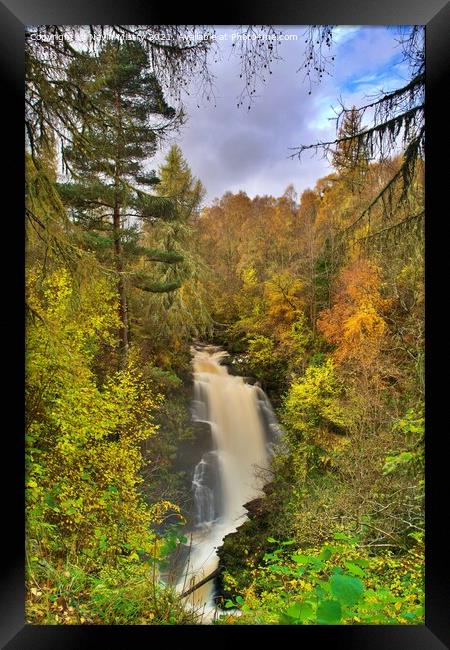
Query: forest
{"points": [[317, 297]]}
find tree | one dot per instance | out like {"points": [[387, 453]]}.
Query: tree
{"points": [[307, 218], [355, 323], [168, 318], [82, 438], [178, 184], [350, 156], [56, 105], [107, 160], [221, 232]]}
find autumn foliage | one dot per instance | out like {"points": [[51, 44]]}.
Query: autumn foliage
{"points": [[355, 323]]}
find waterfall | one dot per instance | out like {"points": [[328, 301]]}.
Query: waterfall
{"points": [[231, 473]]}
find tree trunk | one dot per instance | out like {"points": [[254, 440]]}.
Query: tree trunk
{"points": [[123, 314], [189, 591], [117, 230]]}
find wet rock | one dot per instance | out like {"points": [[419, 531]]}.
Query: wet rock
{"points": [[247, 544]]}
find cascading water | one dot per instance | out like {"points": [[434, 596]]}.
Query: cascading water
{"points": [[232, 473]]}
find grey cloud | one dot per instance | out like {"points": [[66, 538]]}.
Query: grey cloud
{"points": [[231, 149]]}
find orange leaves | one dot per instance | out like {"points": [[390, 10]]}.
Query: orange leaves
{"points": [[355, 323], [361, 283]]}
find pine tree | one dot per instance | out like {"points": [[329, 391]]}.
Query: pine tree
{"points": [[350, 157], [186, 193], [178, 315], [109, 194], [178, 184]]}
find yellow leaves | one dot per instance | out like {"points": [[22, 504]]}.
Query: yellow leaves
{"points": [[329, 441], [57, 291], [249, 278], [32, 298], [408, 274], [78, 318], [228, 581], [316, 381], [35, 592], [365, 322], [159, 510], [282, 293], [261, 350], [305, 586], [362, 335], [355, 323], [313, 398], [88, 435]]}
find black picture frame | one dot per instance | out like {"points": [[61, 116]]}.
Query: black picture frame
{"points": [[14, 15]]}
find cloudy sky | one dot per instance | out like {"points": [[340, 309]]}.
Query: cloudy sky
{"points": [[234, 149]]}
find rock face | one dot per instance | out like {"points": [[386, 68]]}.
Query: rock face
{"points": [[246, 546]]}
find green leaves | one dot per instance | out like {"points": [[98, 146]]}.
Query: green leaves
{"points": [[323, 601], [315, 562], [329, 612], [231, 604], [50, 502], [355, 569], [346, 589], [398, 461], [173, 536], [299, 612], [146, 284], [345, 537], [326, 553], [154, 255], [154, 207]]}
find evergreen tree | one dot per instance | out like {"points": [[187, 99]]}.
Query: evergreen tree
{"points": [[350, 157], [107, 161], [169, 318], [178, 184], [186, 193]]}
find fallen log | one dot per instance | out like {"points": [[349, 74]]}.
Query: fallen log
{"points": [[202, 582]]}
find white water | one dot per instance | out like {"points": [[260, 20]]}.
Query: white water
{"points": [[230, 474]]}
